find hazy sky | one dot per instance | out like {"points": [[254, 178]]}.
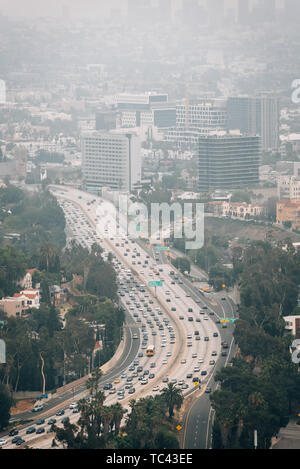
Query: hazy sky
{"points": [[77, 8]]}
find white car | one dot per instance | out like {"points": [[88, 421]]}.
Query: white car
{"points": [[200, 360], [3, 442], [164, 362], [74, 405]]}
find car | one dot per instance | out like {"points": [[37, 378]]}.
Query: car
{"points": [[144, 381], [215, 334], [194, 355], [181, 318], [212, 362], [51, 421], [38, 408], [30, 430], [117, 380], [224, 354], [223, 298], [3, 442], [208, 390], [40, 422], [13, 432], [189, 375], [190, 319], [206, 339], [74, 405], [155, 388], [60, 412], [164, 362], [183, 361], [131, 391], [40, 430], [20, 442], [151, 376], [15, 439], [214, 353], [65, 420], [203, 373], [190, 310]]}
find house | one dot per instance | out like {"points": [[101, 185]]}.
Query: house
{"points": [[292, 324], [32, 297], [18, 305], [238, 210], [58, 295], [26, 281], [288, 211]]}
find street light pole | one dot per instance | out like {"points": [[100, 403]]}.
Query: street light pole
{"points": [[255, 439]]}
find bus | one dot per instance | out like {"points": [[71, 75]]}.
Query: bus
{"points": [[150, 351]]}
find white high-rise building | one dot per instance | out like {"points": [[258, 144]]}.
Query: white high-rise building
{"points": [[288, 188], [112, 160]]}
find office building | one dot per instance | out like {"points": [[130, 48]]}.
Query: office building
{"points": [[215, 12], [292, 11], [243, 12], [106, 119], [257, 115], [145, 109], [140, 12], [269, 122], [227, 162], [111, 160], [202, 115], [164, 10]]}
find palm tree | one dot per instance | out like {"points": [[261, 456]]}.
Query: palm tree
{"points": [[92, 383], [173, 398], [117, 415], [47, 256]]}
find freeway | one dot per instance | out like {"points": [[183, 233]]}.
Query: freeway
{"points": [[179, 320], [221, 308]]}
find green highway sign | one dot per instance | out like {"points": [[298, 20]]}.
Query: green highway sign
{"points": [[160, 248], [230, 320], [157, 283]]}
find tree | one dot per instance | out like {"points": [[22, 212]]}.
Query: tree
{"points": [[183, 264], [5, 404], [240, 196], [173, 398]]}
